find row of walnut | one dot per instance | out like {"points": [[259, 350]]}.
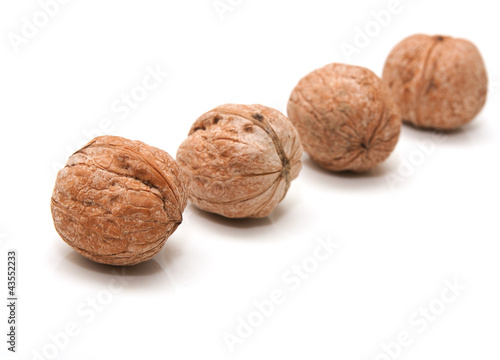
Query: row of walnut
{"points": [[117, 200]]}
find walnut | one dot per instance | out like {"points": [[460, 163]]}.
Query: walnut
{"points": [[438, 81], [117, 200], [240, 159], [345, 117]]}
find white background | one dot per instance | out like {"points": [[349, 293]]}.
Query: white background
{"points": [[399, 244]]}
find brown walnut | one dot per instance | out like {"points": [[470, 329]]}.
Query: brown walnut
{"points": [[117, 200], [345, 117], [438, 81], [239, 160]]}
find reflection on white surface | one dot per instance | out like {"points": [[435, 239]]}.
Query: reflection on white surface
{"points": [[148, 276]]}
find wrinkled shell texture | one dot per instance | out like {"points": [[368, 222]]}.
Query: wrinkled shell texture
{"points": [[117, 201], [345, 117], [438, 82], [239, 160]]}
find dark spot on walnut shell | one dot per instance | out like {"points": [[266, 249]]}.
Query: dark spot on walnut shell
{"points": [[258, 116]]}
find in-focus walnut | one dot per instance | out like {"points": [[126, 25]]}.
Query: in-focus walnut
{"points": [[438, 81], [239, 160], [117, 200], [345, 117]]}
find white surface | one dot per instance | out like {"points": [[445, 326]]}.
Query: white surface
{"points": [[398, 246]]}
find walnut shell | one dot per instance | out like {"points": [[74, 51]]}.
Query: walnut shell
{"points": [[345, 117], [438, 81], [117, 200], [239, 160]]}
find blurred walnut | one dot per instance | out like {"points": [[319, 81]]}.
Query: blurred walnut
{"points": [[438, 82], [239, 160], [117, 201], [345, 117]]}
